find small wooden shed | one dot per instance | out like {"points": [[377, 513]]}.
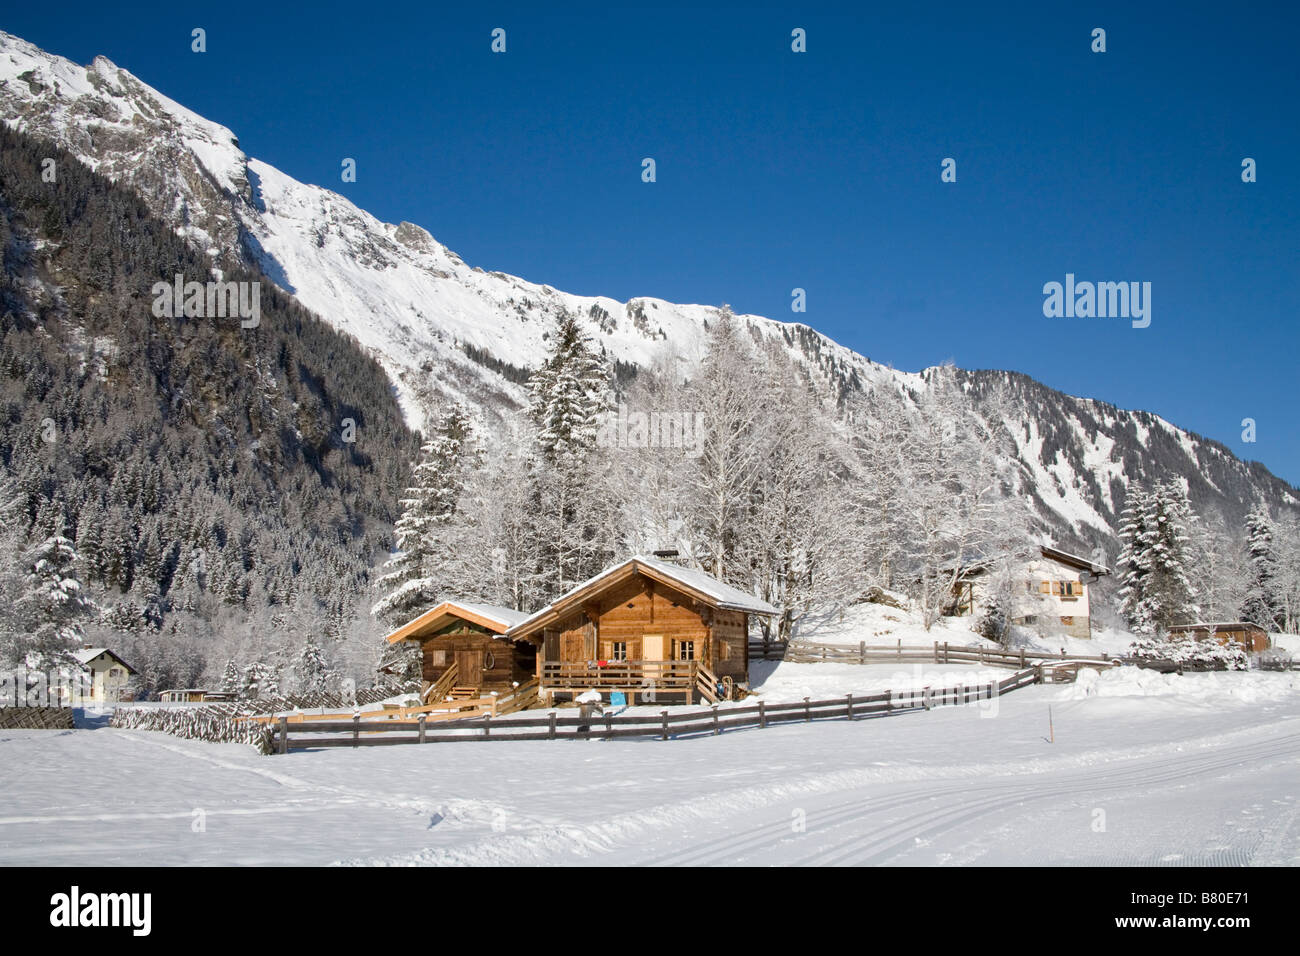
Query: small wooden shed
{"points": [[471, 638], [1250, 636]]}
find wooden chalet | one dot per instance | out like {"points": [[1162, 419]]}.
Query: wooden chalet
{"points": [[464, 648], [647, 628], [1250, 636]]}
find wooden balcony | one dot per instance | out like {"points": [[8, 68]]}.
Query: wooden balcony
{"points": [[689, 678]]}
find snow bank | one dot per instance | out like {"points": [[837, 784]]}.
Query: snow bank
{"points": [[1211, 687]]}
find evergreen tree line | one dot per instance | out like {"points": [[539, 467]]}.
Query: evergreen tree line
{"points": [[195, 479], [1177, 568]]}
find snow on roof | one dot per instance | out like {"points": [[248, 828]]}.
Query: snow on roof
{"points": [[726, 596], [505, 616], [1064, 557], [717, 592], [85, 655]]}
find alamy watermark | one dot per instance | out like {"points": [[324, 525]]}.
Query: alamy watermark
{"points": [[621, 428], [209, 300], [1102, 300], [57, 687]]}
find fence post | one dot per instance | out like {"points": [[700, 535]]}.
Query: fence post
{"points": [[664, 715], [716, 729], [1022, 658], [356, 729], [850, 706], [487, 725], [284, 734], [862, 652], [552, 723], [945, 652], [762, 715], [925, 698], [807, 711], [936, 652], [422, 716], [609, 725], [900, 648]]}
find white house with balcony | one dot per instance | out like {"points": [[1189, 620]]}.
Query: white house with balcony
{"points": [[1051, 592]]}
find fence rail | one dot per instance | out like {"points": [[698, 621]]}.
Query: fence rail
{"points": [[806, 652], [288, 736]]}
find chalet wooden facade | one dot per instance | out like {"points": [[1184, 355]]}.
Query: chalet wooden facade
{"points": [[650, 629], [1250, 636], [464, 647]]}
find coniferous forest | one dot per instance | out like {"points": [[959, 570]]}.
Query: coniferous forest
{"points": [[200, 469]]}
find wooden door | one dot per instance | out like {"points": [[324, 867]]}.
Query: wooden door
{"points": [[573, 646], [652, 645], [469, 668]]}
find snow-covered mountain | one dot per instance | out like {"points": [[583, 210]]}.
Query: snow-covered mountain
{"points": [[419, 309]]}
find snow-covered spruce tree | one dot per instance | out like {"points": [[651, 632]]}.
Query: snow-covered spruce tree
{"points": [[52, 607], [573, 512], [312, 671], [410, 582], [1156, 589], [257, 680], [567, 393], [1261, 604], [231, 679]]}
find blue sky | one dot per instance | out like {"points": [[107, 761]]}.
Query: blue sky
{"points": [[818, 170]]}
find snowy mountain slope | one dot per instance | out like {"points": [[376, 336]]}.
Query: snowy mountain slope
{"points": [[444, 329]]}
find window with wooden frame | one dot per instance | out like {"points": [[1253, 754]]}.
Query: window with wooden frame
{"points": [[618, 651], [684, 650], [438, 658], [1068, 621]]}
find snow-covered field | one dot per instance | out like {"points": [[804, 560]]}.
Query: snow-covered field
{"points": [[1145, 769]]}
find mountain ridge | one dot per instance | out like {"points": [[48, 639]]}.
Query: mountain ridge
{"points": [[444, 330]]}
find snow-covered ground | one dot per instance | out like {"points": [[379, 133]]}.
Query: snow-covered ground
{"points": [[1145, 769]]}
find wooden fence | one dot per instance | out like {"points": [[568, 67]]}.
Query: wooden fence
{"points": [[804, 652], [288, 736], [35, 718]]}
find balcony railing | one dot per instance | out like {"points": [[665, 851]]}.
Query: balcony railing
{"points": [[619, 675]]}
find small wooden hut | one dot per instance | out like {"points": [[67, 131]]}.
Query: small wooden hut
{"points": [[1250, 636], [471, 639]]}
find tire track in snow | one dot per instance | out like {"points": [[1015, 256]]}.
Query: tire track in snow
{"points": [[1000, 795]]}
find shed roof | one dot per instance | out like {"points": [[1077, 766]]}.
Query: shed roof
{"points": [[495, 619]]}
